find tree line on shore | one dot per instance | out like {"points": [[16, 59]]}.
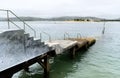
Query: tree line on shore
{"points": [[64, 18]]}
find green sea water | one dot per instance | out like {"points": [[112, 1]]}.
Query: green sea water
{"points": [[102, 60]]}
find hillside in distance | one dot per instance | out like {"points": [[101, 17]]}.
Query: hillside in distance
{"points": [[64, 18]]}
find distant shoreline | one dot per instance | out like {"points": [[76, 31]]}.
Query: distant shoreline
{"points": [[65, 18]]}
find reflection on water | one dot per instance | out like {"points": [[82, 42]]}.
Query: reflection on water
{"points": [[99, 61]]}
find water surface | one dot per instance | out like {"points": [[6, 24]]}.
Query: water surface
{"points": [[99, 61]]}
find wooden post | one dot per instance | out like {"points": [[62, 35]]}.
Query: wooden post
{"points": [[8, 75], [47, 68], [45, 64], [26, 69]]}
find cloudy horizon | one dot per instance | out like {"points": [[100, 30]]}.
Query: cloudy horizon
{"points": [[57, 8]]}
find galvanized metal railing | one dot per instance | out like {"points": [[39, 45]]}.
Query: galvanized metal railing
{"points": [[49, 36], [79, 35], [66, 35], [24, 23]]}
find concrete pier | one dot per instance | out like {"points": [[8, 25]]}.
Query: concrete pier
{"points": [[61, 46], [27, 51], [19, 50], [82, 41]]}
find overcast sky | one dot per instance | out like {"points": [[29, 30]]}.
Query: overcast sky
{"points": [[52, 8]]}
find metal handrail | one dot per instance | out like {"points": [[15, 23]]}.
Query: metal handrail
{"points": [[67, 35], [3, 10], [14, 24], [79, 35], [49, 36], [25, 24]]}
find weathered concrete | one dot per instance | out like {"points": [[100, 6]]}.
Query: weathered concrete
{"points": [[19, 50], [17, 47], [61, 45], [89, 41]]}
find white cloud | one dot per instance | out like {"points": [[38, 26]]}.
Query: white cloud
{"points": [[49, 8]]}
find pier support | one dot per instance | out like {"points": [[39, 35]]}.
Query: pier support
{"points": [[44, 62], [7, 75], [26, 69], [47, 67], [86, 46], [73, 50]]}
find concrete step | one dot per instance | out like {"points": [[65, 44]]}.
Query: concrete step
{"points": [[26, 35], [15, 33], [24, 38], [41, 44], [29, 41]]}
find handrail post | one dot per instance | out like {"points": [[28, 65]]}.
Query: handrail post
{"points": [[49, 38], [23, 22], [41, 36], [67, 35], [78, 35], [64, 36], [8, 19], [34, 33], [24, 26]]}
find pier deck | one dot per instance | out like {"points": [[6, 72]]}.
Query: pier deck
{"points": [[81, 41], [20, 50], [61, 46]]}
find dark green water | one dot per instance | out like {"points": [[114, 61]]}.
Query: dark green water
{"points": [[102, 60]]}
